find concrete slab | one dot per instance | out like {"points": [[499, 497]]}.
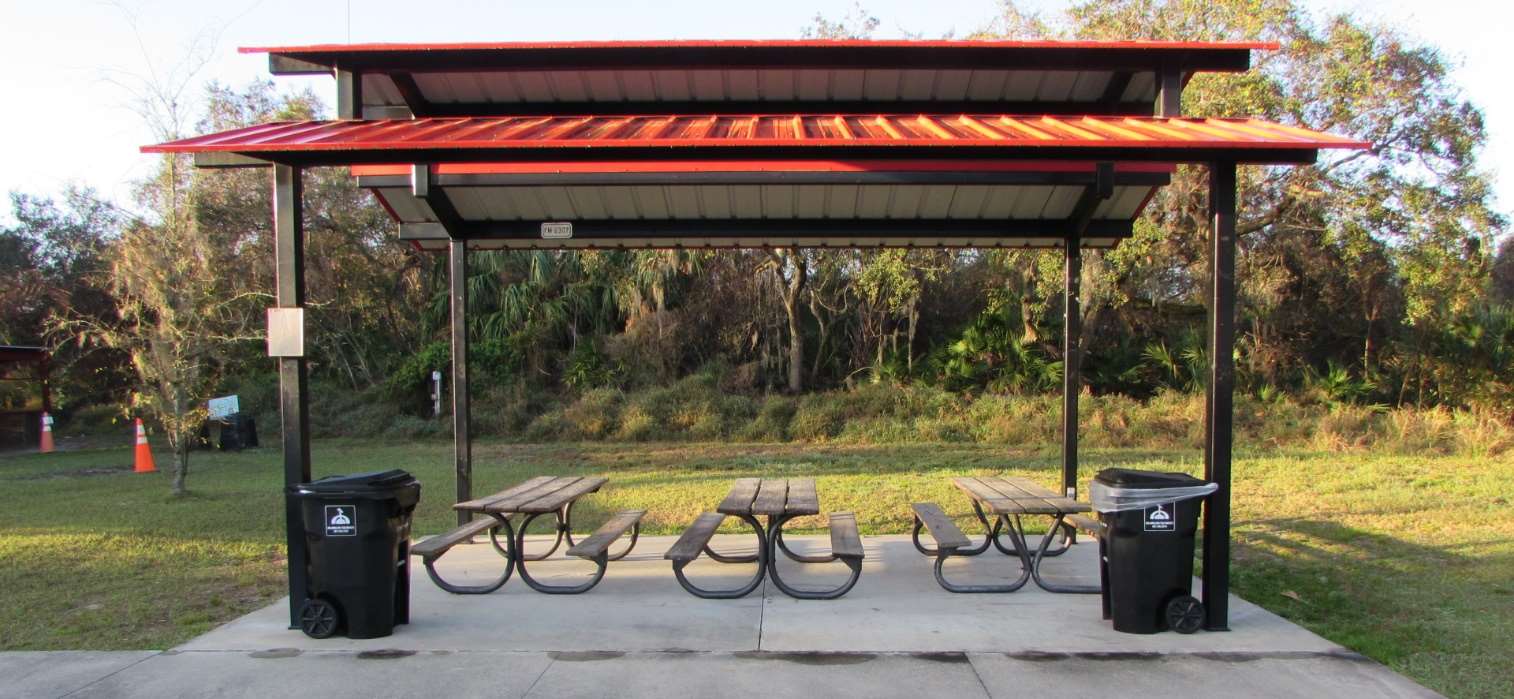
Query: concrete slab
{"points": [[640, 607], [904, 610], [1228, 675], [661, 675], [292, 673], [637, 607], [57, 673]]}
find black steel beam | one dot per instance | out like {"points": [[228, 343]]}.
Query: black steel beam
{"points": [[388, 156], [923, 177], [1219, 403], [1072, 286], [414, 99], [1114, 93], [349, 94], [1169, 94], [778, 56], [611, 230], [1113, 107], [462, 438], [424, 189], [294, 401], [1072, 359]]}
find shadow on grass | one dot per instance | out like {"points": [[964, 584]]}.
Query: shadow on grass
{"points": [[1441, 613]]}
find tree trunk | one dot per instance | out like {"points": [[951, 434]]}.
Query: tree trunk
{"points": [[793, 289], [180, 467]]}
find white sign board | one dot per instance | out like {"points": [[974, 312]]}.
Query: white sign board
{"points": [[286, 332], [557, 230], [223, 407]]}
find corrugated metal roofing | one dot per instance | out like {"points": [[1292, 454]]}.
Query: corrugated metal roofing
{"points": [[769, 130], [766, 43]]}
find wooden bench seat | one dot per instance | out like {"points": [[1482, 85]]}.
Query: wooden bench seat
{"points": [[846, 543], [432, 548], [689, 546], [440, 544], [599, 542], [947, 534], [1087, 524], [949, 537]]}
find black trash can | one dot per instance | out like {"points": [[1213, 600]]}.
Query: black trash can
{"points": [[238, 432], [357, 530], [1147, 548]]}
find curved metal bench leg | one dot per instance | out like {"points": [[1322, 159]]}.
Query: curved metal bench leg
{"points": [[567, 533], [476, 589], [784, 547], [950, 586], [775, 533], [525, 576], [562, 526], [743, 558], [744, 590], [991, 537], [1035, 568]]}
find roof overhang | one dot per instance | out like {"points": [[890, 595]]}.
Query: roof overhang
{"points": [[1082, 77], [812, 180]]}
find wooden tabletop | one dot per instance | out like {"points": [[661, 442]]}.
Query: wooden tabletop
{"points": [[540, 494], [1017, 496], [771, 496]]}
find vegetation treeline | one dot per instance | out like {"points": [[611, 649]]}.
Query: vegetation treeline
{"points": [[1372, 278]]}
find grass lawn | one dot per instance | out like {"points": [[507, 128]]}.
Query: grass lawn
{"points": [[1409, 560]]}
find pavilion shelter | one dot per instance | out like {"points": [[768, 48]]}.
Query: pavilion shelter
{"points": [[757, 144]]}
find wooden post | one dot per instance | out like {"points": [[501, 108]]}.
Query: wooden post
{"points": [[294, 401], [457, 266], [1220, 403], [1072, 363]]}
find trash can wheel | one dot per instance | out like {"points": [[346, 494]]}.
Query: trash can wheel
{"points": [[319, 618], [1185, 614]]}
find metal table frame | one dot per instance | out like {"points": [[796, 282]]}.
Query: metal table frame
{"points": [[520, 500], [779, 500], [1009, 500]]}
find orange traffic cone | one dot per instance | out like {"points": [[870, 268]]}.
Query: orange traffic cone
{"points": [[144, 453], [47, 435]]}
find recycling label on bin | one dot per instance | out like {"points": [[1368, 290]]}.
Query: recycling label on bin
{"points": [[341, 520], [1161, 518]]}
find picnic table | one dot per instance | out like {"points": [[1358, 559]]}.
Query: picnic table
{"points": [[542, 495], [1007, 500], [779, 500]]}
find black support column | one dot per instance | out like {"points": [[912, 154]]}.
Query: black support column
{"points": [[1072, 360], [457, 273], [294, 402], [1219, 405]]}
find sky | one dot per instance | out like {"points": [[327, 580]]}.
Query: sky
{"points": [[74, 64]]}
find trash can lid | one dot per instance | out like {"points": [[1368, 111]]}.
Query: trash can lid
{"points": [[1140, 480], [358, 482]]}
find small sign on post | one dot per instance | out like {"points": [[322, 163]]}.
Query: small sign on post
{"points": [[557, 230], [436, 394], [286, 332], [222, 408]]}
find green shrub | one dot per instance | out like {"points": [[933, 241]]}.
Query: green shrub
{"points": [[773, 420], [595, 415]]}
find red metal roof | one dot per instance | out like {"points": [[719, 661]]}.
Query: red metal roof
{"points": [[1149, 134], [766, 43]]}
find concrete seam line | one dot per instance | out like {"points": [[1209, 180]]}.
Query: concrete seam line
{"points": [[981, 683], [550, 662], [107, 676]]}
